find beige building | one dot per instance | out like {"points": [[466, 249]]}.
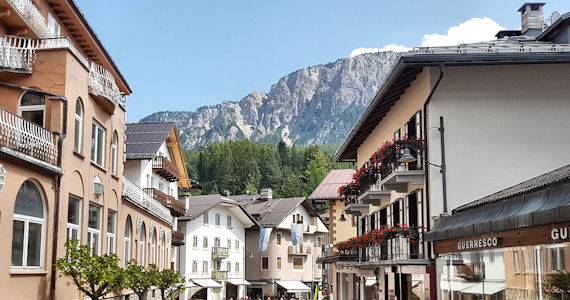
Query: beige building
{"points": [[62, 129]]}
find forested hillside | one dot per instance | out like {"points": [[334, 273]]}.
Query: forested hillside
{"points": [[239, 167]]}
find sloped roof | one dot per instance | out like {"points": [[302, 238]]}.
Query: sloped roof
{"points": [[144, 139], [328, 188], [200, 204]]}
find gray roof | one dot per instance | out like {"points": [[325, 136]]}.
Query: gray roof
{"points": [[270, 213], [552, 177], [200, 204], [144, 139]]}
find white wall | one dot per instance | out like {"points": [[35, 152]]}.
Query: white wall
{"points": [[503, 125]]}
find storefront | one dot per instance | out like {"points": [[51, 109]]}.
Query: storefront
{"points": [[511, 245]]}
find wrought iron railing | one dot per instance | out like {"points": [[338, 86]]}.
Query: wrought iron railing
{"points": [[137, 196], [27, 138]]}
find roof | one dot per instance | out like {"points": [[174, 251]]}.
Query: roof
{"points": [[410, 64], [550, 178], [271, 212], [328, 188], [144, 139], [555, 27], [200, 204]]}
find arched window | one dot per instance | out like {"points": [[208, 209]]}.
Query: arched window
{"points": [[153, 248], [32, 107], [127, 240], [141, 245], [114, 154], [28, 230], [162, 249], [78, 126]]}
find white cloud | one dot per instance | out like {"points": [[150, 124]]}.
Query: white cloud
{"points": [[470, 31]]}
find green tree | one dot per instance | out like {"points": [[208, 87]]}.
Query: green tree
{"points": [[170, 283], [557, 283], [138, 279], [95, 276]]}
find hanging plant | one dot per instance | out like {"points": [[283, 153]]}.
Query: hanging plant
{"points": [[380, 237]]}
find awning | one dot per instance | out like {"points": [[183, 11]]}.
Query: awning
{"points": [[207, 283], [485, 288], [370, 281], [238, 281], [455, 286], [293, 286], [257, 283]]}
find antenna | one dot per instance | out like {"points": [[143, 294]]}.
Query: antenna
{"points": [[554, 17]]}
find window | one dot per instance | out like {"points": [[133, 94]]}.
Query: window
{"points": [[526, 261], [297, 263], [217, 242], [194, 266], [229, 244], [78, 126], [111, 232], [354, 220], [229, 266], [74, 218], [53, 26], [153, 248], [28, 229], [218, 219], [237, 268], [97, 144], [319, 241], [142, 245], [205, 242], [195, 241], [94, 229], [229, 221], [265, 263], [206, 218], [278, 263], [516, 257], [396, 213], [205, 267], [278, 238], [32, 107], [556, 259], [127, 239], [237, 244], [114, 154]]}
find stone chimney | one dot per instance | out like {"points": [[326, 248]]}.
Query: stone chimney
{"points": [[266, 194], [532, 20]]}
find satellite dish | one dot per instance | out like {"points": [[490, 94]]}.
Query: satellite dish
{"points": [[554, 17]]}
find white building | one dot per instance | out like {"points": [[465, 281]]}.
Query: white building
{"points": [[213, 257]]}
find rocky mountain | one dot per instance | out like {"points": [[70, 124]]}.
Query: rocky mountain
{"points": [[316, 105]]}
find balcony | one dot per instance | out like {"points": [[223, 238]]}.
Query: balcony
{"points": [[397, 250], [137, 196], [177, 208], [165, 168], [102, 86], [296, 250], [26, 140], [32, 15], [219, 275], [219, 253], [375, 196], [177, 238], [357, 209], [17, 54], [400, 180]]}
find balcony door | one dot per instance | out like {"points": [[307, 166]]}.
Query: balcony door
{"points": [[32, 107]]}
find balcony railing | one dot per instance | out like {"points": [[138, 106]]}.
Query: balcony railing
{"points": [[63, 42], [177, 208], [297, 250], [102, 84], [395, 249], [472, 271], [17, 54], [219, 275], [32, 15], [138, 197], [220, 252], [165, 168], [27, 138], [177, 238]]}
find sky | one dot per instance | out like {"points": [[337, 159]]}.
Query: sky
{"points": [[181, 55]]}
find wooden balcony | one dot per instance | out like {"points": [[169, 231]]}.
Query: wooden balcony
{"points": [[220, 253], [177, 238], [165, 168], [219, 275], [297, 250], [24, 139], [177, 208]]}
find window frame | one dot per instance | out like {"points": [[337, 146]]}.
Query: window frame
{"points": [[236, 266], [94, 232], [218, 220], [194, 241], [229, 221], [267, 259], [114, 153], [278, 263], [71, 226], [37, 107], [142, 246], [194, 267], [153, 248], [302, 265], [96, 127], [205, 242], [237, 244], [205, 219], [205, 267], [127, 240], [112, 236], [278, 238], [78, 142]]}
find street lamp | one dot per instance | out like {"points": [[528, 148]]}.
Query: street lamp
{"points": [[342, 218], [406, 156]]}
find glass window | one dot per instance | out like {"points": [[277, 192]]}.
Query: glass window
{"points": [[97, 144], [297, 263], [205, 242], [153, 248], [237, 268], [265, 263], [237, 244], [28, 233], [195, 241], [142, 239], [229, 243], [53, 26], [127, 240], [32, 107], [217, 219], [516, 261], [278, 265], [229, 221], [74, 218], [162, 250], [206, 218], [278, 238], [114, 154], [111, 232], [205, 267], [94, 229], [194, 266], [78, 142]]}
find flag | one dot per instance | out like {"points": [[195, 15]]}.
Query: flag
{"points": [[316, 292], [264, 234], [294, 234], [297, 234]]}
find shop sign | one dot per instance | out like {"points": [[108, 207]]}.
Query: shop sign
{"points": [[559, 233], [478, 243]]}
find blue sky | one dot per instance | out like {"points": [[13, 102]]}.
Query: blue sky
{"points": [[180, 55]]}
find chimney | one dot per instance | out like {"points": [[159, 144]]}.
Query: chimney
{"points": [[266, 194], [532, 20]]}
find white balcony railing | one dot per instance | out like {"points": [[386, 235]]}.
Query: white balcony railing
{"points": [[137, 196], [63, 42], [32, 15], [102, 83], [17, 53], [27, 138]]}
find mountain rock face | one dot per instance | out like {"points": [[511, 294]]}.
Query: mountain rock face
{"points": [[316, 105]]}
